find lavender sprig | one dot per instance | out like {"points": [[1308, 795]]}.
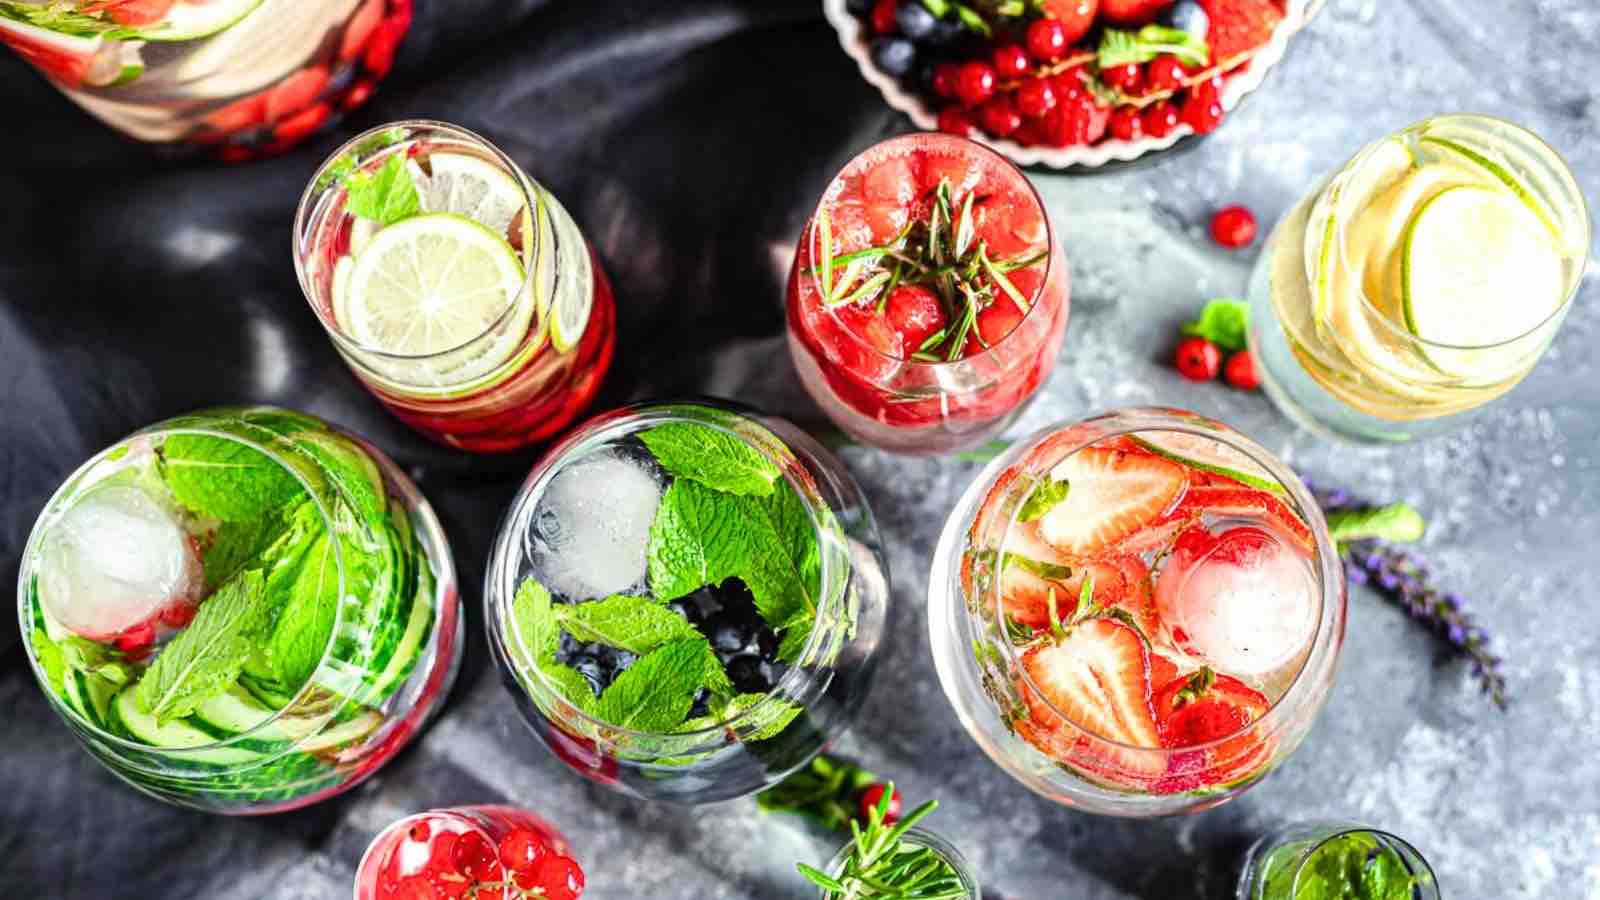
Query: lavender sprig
{"points": [[1364, 533]]}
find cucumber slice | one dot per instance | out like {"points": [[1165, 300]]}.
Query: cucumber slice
{"points": [[412, 641], [346, 732], [237, 711], [192, 21], [91, 696], [1209, 455], [264, 691], [177, 735], [348, 469]]}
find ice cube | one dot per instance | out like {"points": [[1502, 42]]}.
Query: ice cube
{"points": [[114, 560], [1244, 601], [591, 529]]}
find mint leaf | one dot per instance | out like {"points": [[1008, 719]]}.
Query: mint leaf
{"points": [[574, 687], [306, 621], [1222, 322], [628, 623], [534, 621], [48, 653], [206, 657], [225, 479], [1195, 688], [64, 20], [1397, 522], [655, 693], [1119, 48], [242, 545], [1043, 498], [348, 469], [770, 721], [385, 196], [714, 458]]}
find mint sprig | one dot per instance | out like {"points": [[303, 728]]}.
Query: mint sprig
{"points": [[385, 196], [635, 624], [714, 458], [824, 791], [1043, 498], [226, 479], [1223, 322], [205, 658], [656, 692], [1396, 522], [1119, 48]]}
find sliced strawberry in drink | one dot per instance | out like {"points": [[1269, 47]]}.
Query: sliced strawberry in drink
{"points": [[1239, 26], [1225, 497], [1113, 494], [913, 315], [136, 13], [360, 30], [993, 323], [1010, 224], [960, 172], [296, 92], [1202, 708], [888, 190]]}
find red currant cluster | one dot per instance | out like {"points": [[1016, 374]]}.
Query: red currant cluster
{"points": [[465, 866], [1062, 74]]}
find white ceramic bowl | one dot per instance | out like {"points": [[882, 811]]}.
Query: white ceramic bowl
{"points": [[854, 38]]}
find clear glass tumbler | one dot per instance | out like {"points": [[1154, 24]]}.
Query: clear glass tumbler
{"points": [[1300, 861], [615, 556], [485, 852]]}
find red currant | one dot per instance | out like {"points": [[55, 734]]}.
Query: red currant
{"points": [[1203, 108], [136, 639], [975, 83], [1165, 74], [1047, 40], [178, 615], [1126, 124], [474, 857], [944, 80], [441, 856], [999, 117], [883, 17], [1198, 359], [520, 850], [954, 120], [1076, 16], [419, 832], [1233, 227], [415, 887], [1241, 371], [872, 796], [1127, 78], [1159, 119], [560, 877], [1069, 87], [1011, 61], [1035, 97]]}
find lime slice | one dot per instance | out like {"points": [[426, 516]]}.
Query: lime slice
{"points": [[1209, 455], [1479, 268], [438, 287], [571, 311], [1500, 174], [470, 187]]}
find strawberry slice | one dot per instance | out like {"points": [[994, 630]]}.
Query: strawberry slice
{"points": [[1132, 12], [1239, 27], [1228, 499], [1098, 679], [1114, 494], [1204, 708], [1026, 583]]}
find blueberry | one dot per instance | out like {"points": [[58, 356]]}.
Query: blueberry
{"points": [[590, 669], [859, 7], [615, 661], [738, 604], [946, 33], [729, 637], [767, 642], [746, 675], [915, 21], [567, 646], [702, 704], [894, 55], [1187, 15]]}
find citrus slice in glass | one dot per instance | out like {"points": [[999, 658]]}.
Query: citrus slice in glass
{"points": [[1479, 269], [440, 297]]}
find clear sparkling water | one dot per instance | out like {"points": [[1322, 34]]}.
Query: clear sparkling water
{"points": [[592, 526], [113, 560]]}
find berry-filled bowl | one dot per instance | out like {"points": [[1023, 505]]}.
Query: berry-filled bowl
{"points": [[1068, 83]]}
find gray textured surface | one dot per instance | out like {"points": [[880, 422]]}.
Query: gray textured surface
{"points": [[1505, 806]]}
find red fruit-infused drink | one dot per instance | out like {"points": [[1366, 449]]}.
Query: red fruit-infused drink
{"points": [[475, 852], [248, 78], [457, 289], [1138, 614], [928, 297]]}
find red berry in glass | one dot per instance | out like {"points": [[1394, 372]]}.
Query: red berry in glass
{"points": [[1233, 227], [975, 83], [872, 798], [469, 852], [1198, 359], [870, 343]]}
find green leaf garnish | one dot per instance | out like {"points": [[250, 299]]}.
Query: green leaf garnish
{"points": [[1043, 498], [824, 791], [879, 864], [635, 624], [655, 693], [385, 196], [1056, 628], [226, 479], [1119, 48], [206, 657], [712, 457], [1396, 522], [1223, 322], [1047, 570]]}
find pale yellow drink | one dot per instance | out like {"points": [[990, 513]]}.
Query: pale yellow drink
{"points": [[1422, 280]]}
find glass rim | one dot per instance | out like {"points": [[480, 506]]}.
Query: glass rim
{"points": [[930, 840], [1388, 839], [1566, 180], [1051, 256], [578, 443], [1326, 567], [32, 549], [315, 190]]}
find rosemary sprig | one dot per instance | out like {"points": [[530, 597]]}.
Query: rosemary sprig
{"points": [[879, 864], [941, 252]]}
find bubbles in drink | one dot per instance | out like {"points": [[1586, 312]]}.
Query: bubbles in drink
{"points": [[114, 560], [591, 528]]}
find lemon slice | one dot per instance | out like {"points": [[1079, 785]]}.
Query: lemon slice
{"points": [[1479, 269], [441, 290], [470, 187], [570, 316]]}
